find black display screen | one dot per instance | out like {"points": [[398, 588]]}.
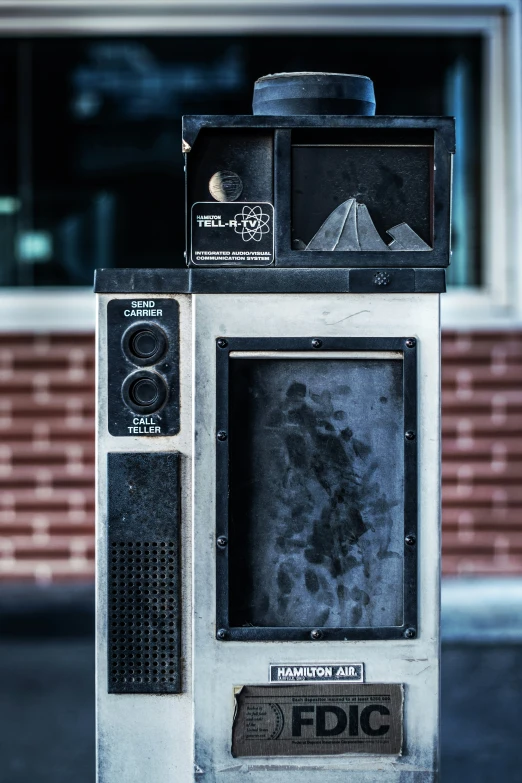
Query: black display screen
{"points": [[316, 505], [362, 196]]}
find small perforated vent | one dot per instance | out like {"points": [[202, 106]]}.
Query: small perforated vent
{"points": [[143, 635]]}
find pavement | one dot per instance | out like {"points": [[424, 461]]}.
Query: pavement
{"points": [[47, 709], [47, 686], [481, 732]]}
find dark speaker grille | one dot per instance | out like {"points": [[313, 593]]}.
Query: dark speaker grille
{"points": [[144, 601], [143, 616]]}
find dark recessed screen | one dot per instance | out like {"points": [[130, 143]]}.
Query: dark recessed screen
{"points": [[316, 525], [373, 198]]}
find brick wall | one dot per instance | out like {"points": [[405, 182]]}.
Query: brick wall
{"points": [[47, 455], [482, 452]]}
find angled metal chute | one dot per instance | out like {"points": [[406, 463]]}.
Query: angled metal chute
{"points": [[348, 239], [350, 228], [369, 237], [405, 238], [330, 232]]}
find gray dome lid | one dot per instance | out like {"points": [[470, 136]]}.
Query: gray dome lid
{"points": [[306, 92]]}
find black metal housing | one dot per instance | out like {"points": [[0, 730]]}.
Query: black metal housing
{"points": [[268, 281], [224, 629], [260, 150]]}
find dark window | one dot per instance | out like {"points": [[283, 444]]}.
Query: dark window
{"points": [[91, 172]]}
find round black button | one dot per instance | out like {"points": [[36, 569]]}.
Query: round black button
{"points": [[144, 391], [144, 344]]}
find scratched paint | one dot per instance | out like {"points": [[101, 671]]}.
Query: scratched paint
{"points": [[316, 503]]}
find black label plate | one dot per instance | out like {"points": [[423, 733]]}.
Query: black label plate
{"points": [[125, 314], [318, 720], [232, 234]]}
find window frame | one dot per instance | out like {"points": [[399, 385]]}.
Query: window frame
{"points": [[498, 302], [288, 349]]}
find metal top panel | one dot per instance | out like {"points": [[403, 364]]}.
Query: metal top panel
{"points": [[275, 280], [193, 123]]}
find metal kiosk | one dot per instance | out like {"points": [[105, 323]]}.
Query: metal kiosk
{"points": [[268, 454]]}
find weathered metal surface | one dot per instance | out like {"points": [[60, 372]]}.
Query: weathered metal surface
{"points": [[171, 724], [127, 724], [219, 666]]}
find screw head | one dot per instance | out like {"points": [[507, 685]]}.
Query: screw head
{"points": [[222, 343], [222, 634], [381, 278], [222, 435], [222, 541], [409, 435], [410, 342], [410, 540], [316, 634], [410, 633], [316, 343]]}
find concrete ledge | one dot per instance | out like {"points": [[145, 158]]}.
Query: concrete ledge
{"points": [[482, 610], [68, 309], [54, 611]]}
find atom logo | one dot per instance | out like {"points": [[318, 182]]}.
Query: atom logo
{"points": [[252, 223]]}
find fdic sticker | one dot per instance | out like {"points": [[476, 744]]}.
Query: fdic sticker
{"points": [[316, 672], [232, 234], [311, 720]]}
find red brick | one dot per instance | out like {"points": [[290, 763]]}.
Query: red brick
{"points": [[47, 424]]}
